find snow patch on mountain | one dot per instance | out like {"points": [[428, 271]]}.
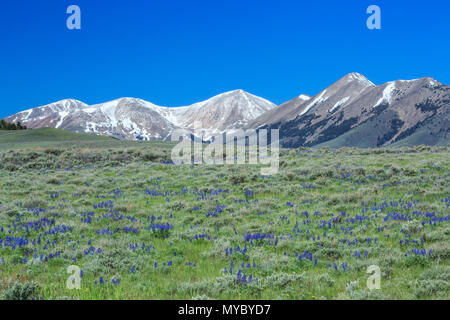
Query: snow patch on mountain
{"points": [[387, 94], [339, 104], [319, 99], [109, 109], [62, 116], [304, 97]]}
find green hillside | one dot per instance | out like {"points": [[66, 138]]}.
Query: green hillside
{"points": [[45, 137], [46, 134], [57, 138]]}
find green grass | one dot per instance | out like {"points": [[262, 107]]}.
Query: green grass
{"points": [[45, 136], [324, 183], [62, 139]]}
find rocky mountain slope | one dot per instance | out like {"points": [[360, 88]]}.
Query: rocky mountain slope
{"points": [[351, 112], [136, 119], [355, 112]]}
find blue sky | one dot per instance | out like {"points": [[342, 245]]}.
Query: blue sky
{"points": [[174, 52]]}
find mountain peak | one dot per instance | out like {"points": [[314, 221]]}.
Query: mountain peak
{"points": [[70, 100], [66, 102], [234, 92], [224, 95], [240, 95], [355, 76]]}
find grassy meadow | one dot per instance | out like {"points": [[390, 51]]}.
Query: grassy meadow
{"points": [[139, 227]]}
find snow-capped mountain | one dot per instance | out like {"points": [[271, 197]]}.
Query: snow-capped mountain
{"points": [[236, 109], [355, 112], [351, 112], [336, 95], [136, 119]]}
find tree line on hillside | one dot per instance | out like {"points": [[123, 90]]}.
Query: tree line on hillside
{"points": [[11, 126]]}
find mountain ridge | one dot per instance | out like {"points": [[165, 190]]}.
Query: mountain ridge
{"points": [[395, 110], [137, 119], [352, 111]]}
